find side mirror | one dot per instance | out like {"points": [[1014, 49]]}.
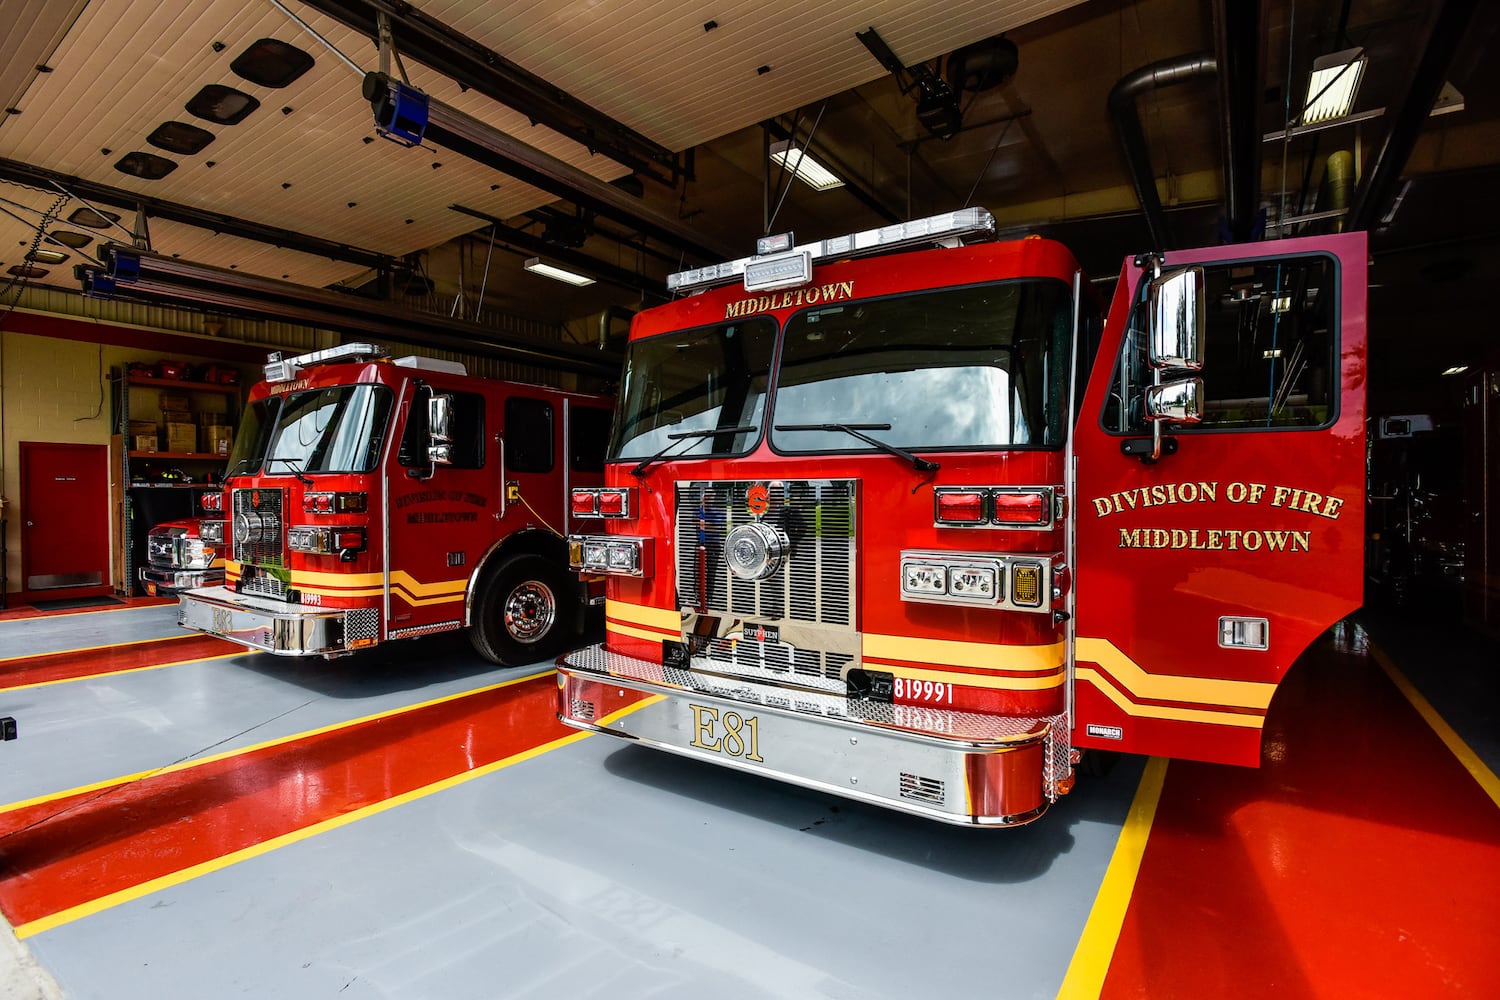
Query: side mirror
{"points": [[440, 429], [1179, 402], [1176, 320]]}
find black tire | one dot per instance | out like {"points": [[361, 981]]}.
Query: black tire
{"points": [[526, 611]]}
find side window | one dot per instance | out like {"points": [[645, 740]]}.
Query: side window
{"points": [[468, 430], [589, 428], [1270, 353], [528, 435]]}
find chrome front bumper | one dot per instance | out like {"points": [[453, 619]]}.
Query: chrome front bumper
{"points": [[170, 582], [275, 626], [957, 767]]}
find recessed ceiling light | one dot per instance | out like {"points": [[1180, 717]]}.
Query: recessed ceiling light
{"points": [[808, 170], [180, 137], [27, 271], [222, 105], [42, 256], [91, 219], [146, 166], [71, 239], [271, 62]]}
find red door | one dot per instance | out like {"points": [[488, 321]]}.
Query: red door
{"points": [[64, 516], [1202, 576]]}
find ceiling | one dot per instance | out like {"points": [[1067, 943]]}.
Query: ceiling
{"points": [[304, 189]]}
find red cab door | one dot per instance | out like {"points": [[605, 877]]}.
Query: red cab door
{"points": [[1200, 577]]}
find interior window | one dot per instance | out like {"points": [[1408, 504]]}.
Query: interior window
{"points": [[528, 435], [589, 430], [1269, 352]]}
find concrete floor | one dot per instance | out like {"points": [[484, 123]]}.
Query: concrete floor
{"points": [[394, 824]]}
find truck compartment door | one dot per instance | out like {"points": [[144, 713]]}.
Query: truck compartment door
{"points": [[1201, 576]]}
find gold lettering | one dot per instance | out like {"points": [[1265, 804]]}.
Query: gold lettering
{"points": [[1130, 538], [703, 728], [1278, 498], [1101, 505], [1257, 490], [1235, 492], [1332, 509], [1310, 502], [1215, 539]]}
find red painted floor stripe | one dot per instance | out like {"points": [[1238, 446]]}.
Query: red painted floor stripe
{"points": [[77, 663], [68, 852], [1360, 860]]}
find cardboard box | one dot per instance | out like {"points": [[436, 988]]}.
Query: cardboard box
{"points": [[217, 438], [182, 436], [143, 442], [211, 418], [175, 401], [140, 428], [176, 416]]}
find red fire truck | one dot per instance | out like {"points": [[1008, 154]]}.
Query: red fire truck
{"points": [[904, 516], [367, 499]]}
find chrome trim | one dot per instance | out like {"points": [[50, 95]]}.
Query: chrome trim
{"points": [[1008, 561], [273, 626], [957, 767], [172, 581], [1070, 508], [1053, 501]]}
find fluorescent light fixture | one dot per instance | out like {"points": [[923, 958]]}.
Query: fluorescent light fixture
{"points": [[1457, 370], [1330, 90], [808, 170], [536, 266]]}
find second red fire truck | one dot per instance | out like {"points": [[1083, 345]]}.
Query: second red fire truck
{"points": [[367, 500], [906, 516]]}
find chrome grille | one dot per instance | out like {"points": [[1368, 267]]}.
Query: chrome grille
{"points": [[259, 540], [922, 789], [816, 585], [262, 508]]}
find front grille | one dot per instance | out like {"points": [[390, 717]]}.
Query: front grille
{"points": [[815, 585], [777, 661], [161, 548], [922, 789], [259, 538]]}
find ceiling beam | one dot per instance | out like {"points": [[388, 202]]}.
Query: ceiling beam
{"points": [[483, 143], [143, 276], [478, 68], [37, 177]]}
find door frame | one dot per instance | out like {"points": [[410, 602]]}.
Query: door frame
{"points": [[26, 595]]}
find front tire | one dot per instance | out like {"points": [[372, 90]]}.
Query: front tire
{"points": [[525, 612]]}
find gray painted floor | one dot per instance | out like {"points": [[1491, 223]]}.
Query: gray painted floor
{"points": [[593, 870]]}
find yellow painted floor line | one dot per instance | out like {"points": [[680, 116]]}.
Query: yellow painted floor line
{"points": [[1466, 756], [187, 874], [200, 761], [1096, 945], [122, 671], [107, 645]]}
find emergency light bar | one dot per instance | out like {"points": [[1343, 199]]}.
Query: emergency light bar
{"points": [[783, 270], [279, 369]]}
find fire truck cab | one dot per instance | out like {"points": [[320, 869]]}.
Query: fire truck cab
{"points": [[368, 499], [907, 517]]}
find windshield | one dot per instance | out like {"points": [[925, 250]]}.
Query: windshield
{"points": [[340, 429], [692, 381], [974, 367], [253, 436]]}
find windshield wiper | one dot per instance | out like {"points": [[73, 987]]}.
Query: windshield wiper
{"points": [[853, 430], [294, 468], [234, 470], [680, 436]]}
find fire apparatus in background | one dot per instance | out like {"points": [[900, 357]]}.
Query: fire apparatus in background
{"points": [[178, 558], [918, 526], [367, 499]]}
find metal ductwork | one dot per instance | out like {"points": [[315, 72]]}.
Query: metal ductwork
{"points": [[468, 136], [132, 274], [1122, 111]]}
